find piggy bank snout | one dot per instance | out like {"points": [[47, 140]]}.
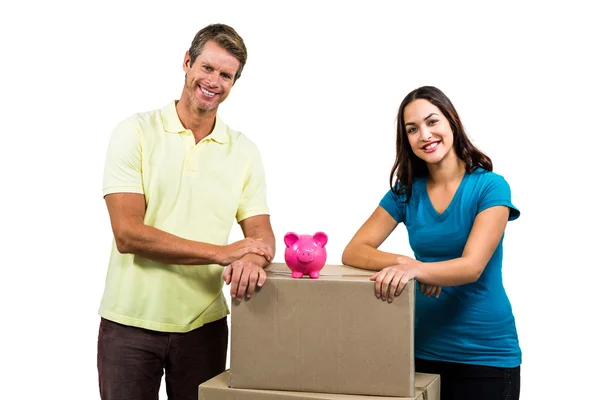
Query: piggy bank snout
{"points": [[306, 255]]}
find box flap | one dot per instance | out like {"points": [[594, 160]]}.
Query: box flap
{"points": [[429, 384], [334, 270], [427, 388]]}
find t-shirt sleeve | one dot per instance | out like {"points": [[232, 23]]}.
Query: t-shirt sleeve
{"points": [[123, 165], [254, 193], [496, 192], [392, 203]]}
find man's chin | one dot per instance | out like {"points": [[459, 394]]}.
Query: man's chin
{"points": [[203, 106]]}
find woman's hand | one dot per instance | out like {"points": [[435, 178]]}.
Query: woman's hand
{"points": [[430, 290], [390, 281]]}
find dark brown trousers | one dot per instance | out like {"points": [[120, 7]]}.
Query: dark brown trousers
{"points": [[131, 360]]}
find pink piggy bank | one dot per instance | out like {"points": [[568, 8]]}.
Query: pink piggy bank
{"points": [[305, 254]]}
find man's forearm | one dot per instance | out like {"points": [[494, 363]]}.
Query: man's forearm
{"points": [[157, 245], [269, 239], [256, 259]]}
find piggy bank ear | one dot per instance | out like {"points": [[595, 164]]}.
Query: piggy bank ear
{"points": [[320, 238], [290, 238]]}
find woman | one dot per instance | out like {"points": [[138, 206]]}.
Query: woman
{"points": [[455, 210]]}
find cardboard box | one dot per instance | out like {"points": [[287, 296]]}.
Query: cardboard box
{"points": [[325, 335], [427, 387]]}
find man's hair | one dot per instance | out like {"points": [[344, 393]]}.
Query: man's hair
{"points": [[226, 37]]}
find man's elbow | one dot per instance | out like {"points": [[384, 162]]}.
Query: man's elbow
{"points": [[124, 241]]}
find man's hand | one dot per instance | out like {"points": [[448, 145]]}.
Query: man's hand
{"points": [[244, 275], [239, 249]]}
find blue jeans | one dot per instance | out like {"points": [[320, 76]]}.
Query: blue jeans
{"points": [[473, 382], [131, 360]]}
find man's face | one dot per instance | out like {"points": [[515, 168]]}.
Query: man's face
{"points": [[210, 78]]}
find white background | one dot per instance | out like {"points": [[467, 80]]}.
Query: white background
{"points": [[319, 96]]}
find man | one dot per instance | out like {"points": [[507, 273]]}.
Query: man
{"points": [[174, 181]]}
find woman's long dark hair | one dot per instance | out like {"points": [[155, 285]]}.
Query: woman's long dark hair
{"points": [[408, 166]]}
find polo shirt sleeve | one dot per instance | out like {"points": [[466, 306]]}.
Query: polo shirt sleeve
{"points": [[392, 203], [253, 200], [496, 192], [123, 165]]}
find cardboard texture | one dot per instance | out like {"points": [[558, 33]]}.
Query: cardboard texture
{"points": [[325, 335], [427, 387]]}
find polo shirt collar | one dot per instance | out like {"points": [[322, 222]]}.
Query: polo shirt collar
{"points": [[172, 124]]}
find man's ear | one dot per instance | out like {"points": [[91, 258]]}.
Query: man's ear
{"points": [[187, 62]]}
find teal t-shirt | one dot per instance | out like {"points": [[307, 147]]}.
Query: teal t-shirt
{"points": [[472, 323]]}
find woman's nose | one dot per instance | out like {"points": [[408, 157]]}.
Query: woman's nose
{"points": [[425, 134]]}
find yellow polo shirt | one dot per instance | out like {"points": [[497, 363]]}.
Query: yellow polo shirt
{"points": [[194, 191]]}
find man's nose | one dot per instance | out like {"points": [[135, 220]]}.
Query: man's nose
{"points": [[213, 78]]}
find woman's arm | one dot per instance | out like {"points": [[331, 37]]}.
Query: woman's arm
{"points": [[484, 238], [362, 250]]}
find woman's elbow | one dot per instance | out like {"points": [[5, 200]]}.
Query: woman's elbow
{"points": [[347, 255], [345, 259], [475, 272]]}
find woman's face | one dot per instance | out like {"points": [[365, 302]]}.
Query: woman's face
{"points": [[428, 131]]}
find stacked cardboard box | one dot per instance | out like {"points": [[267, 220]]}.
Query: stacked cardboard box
{"points": [[325, 338]]}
